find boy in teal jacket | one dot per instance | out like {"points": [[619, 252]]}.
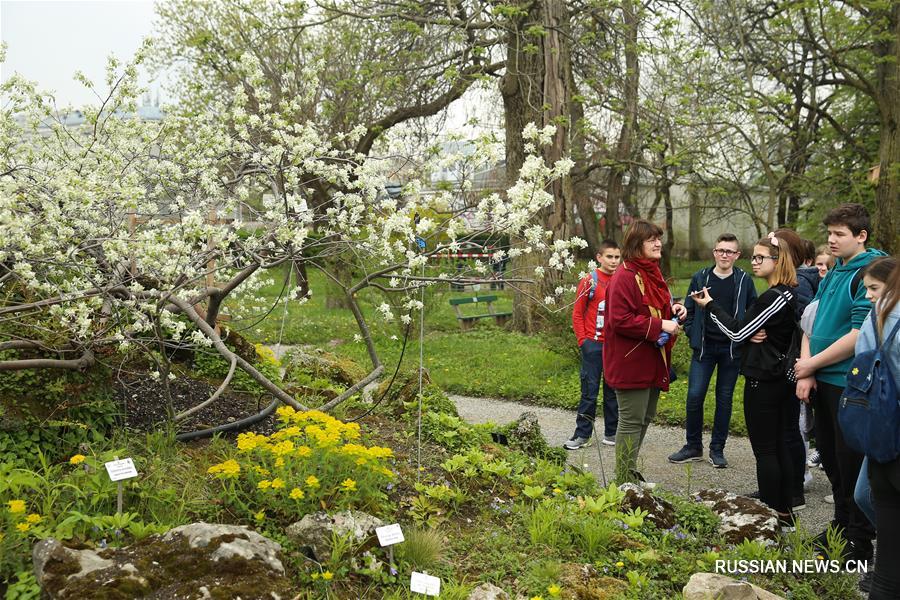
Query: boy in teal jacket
{"points": [[825, 357]]}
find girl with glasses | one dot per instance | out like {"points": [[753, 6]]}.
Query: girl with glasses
{"points": [[768, 395]]}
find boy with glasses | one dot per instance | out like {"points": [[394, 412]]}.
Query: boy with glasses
{"points": [[733, 290]]}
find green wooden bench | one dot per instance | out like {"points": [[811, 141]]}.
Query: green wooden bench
{"points": [[466, 321]]}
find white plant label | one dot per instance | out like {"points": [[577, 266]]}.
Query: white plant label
{"points": [[389, 534], [425, 584], [121, 469]]}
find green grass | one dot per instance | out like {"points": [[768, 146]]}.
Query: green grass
{"points": [[485, 361]]}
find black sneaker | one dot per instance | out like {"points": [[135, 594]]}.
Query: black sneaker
{"points": [[859, 551], [798, 503], [820, 542], [717, 459], [686, 455], [754, 495]]}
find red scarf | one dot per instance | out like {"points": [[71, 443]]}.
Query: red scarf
{"points": [[656, 292]]}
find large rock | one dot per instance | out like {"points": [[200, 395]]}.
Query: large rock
{"points": [[200, 560], [741, 518], [316, 363], [711, 586], [662, 513], [584, 581], [315, 531], [524, 434], [488, 591]]}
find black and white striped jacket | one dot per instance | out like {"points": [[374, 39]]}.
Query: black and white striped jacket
{"points": [[772, 311]]}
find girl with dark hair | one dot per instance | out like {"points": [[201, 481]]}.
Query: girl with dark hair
{"points": [[638, 310], [877, 490], [768, 395]]}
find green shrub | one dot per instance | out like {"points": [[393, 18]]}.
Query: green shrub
{"points": [[87, 422], [312, 462]]}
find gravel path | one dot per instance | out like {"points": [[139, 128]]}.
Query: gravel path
{"points": [[557, 426]]}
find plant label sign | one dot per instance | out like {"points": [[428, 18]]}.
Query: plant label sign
{"points": [[121, 469], [389, 535], [422, 583]]}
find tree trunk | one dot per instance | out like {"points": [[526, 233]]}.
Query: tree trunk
{"points": [[664, 195], [615, 190], [581, 186], [887, 193], [557, 75], [535, 90], [695, 223], [335, 295]]}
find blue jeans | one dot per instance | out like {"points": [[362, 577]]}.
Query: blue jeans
{"points": [[714, 356], [862, 495], [591, 372]]}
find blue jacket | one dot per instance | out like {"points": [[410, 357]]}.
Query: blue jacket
{"points": [[695, 323], [807, 285]]}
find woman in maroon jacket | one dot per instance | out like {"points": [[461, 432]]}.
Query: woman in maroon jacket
{"points": [[638, 309]]}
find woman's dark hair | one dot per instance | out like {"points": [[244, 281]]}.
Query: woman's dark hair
{"points": [[810, 247], [796, 247], [637, 233], [880, 268]]}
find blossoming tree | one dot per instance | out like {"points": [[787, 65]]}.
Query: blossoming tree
{"points": [[107, 245]]}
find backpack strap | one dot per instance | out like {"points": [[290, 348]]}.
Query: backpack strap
{"points": [[854, 283], [889, 336], [787, 300], [594, 281]]}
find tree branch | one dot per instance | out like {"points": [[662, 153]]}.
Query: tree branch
{"points": [[219, 345], [76, 364], [185, 414]]}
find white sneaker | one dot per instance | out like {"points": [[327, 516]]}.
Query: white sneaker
{"points": [[609, 441], [829, 499], [813, 459]]}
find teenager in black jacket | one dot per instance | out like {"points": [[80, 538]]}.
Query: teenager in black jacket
{"points": [[768, 395]]}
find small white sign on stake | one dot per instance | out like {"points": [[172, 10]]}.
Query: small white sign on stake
{"points": [[422, 583], [389, 535], [121, 469]]}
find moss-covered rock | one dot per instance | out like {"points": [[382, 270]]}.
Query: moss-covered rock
{"points": [[741, 518], [200, 560], [525, 436], [584, 582], [303, 366]]}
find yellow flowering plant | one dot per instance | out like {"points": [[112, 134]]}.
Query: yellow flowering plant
{"points": [[312, 462]]}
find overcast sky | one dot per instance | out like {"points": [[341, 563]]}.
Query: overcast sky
{"points": [[48, 41]]}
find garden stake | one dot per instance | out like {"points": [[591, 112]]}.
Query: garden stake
{"points": [[421, 367], [599, 454], [119, 488]]}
